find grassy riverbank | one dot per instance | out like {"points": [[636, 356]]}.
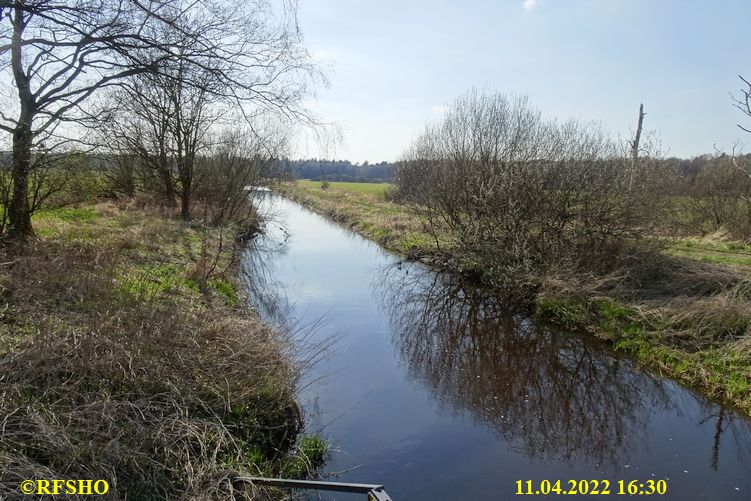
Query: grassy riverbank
{"points": [[684, 311], [365, 210], [122, 360]]}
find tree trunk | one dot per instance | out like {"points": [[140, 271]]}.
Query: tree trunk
{"points": [[637, 137], [19, 212], [169, 189], [186, 180], [635, 146], [185, 201]]}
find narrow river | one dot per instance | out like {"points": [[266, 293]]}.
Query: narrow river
{"points": [[437, 392]]}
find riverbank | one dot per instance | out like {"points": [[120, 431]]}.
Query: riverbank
{"points": [[365, 211], [683, 311], [124, 360]]}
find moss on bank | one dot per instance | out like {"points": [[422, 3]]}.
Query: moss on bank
{"points": [[685, 313], [116, 365]]}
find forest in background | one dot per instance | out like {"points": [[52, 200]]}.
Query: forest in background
{"points": [[337, 170]]}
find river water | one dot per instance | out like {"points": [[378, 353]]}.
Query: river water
{"points": [[437, 392]]}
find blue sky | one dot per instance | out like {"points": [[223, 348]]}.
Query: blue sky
{"points": [[394, 65]]}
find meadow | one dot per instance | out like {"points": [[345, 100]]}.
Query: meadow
{"points": [[374, 189]]}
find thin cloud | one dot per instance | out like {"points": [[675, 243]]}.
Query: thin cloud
{"points": [[530, 4]]}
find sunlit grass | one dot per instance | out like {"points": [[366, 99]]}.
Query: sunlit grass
{"points": [[727, 252], [375, 189], [67, 214], [362, 207]]}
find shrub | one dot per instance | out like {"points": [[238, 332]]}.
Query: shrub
{"points": [[511, 191]]}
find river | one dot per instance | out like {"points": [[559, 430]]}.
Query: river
{"points": [[438, 392]]}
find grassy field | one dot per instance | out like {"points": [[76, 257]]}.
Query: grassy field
{"points": [[345, 198], [685, 311], [374, 189], [122, 361]]}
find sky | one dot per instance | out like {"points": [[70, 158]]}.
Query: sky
{"points": [[394, 66]]}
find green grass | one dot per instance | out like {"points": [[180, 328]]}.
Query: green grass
{"points": [[727, 252], [311, 454], [375, 189], [68, 214], [720, 371], [226, 289], [362, 207], [145, 282]]}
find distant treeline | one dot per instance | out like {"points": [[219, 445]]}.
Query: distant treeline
{"points": [[338, 170]]}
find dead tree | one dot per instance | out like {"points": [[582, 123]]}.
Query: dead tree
{"points": [[743, 103], [635, 148], [637, 137]]}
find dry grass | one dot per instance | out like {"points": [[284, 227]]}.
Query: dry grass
{"points": [[113, 366]]}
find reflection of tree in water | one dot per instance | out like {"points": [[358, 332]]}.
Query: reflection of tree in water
{"points": [[724, 421], [259, 275], [268, 295], [554, 394]]}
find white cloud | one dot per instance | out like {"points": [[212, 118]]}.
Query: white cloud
{"points": [[530, 4], [439, 109]]}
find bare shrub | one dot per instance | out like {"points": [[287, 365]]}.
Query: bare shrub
{"points": [[721, 198], [513, 194], [241, 161], [120, 175]]}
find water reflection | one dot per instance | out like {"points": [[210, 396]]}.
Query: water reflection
{"points": [[268, 296], [483, 397], [726, 422], [261, 276], [552, 395]]}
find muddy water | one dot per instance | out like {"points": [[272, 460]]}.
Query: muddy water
{"points": [[438, 392]]}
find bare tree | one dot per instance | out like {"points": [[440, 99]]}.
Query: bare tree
{"points": [[59, 54], [137, 127], [239, 161], [119, 173], [257, 68], [719, 199]]}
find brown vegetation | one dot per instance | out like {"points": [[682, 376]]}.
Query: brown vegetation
{"points": [[116, 366], [513, 196]]}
